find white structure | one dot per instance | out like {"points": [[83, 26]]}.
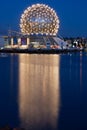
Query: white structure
{"points": [[60, 42]]}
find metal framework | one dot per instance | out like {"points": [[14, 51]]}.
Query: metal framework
{"points": [[39, 19]]}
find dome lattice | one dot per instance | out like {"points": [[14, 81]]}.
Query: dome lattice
{"points": [[39, 19]]}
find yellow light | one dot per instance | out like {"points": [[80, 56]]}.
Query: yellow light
{"points": [[32, 20]]}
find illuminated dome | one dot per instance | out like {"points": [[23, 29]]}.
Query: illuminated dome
{"points": [[39, 19]]}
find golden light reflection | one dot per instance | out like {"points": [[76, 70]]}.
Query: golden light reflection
{"points": [[39, 92]]}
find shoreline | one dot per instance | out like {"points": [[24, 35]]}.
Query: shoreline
{"points": [[40, 51]]}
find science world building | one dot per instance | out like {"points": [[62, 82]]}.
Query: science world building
{"points": [[39, 25]]}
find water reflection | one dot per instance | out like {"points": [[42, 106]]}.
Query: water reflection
{"points": [[39, 92]]}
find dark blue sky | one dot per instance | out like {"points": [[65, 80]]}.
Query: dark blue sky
{"points": [[72, 15]]}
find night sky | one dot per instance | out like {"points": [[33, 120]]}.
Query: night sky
{"points": [[72, 15]]}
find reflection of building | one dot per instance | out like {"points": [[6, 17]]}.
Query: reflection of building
{"points": [[39, 93]]}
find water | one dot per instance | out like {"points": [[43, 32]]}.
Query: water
{"points": [[44, 92]]}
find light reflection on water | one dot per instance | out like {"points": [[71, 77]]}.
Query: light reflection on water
{"points": [[39, 91], [44, 92]]}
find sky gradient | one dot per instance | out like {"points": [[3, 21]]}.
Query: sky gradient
{"points": [[72, 15]]}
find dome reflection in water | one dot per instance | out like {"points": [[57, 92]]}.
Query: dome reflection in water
{"points": [[39, 92]]}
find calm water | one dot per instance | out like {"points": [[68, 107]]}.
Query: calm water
{"points": [[44, 92]]}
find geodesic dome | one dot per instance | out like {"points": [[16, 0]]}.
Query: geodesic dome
{"points": [[39, 19]]}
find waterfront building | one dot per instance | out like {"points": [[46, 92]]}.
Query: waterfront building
{"points": [[39, 25]]}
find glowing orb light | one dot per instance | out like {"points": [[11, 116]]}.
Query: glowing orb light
{"points": [[39, 19]]}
